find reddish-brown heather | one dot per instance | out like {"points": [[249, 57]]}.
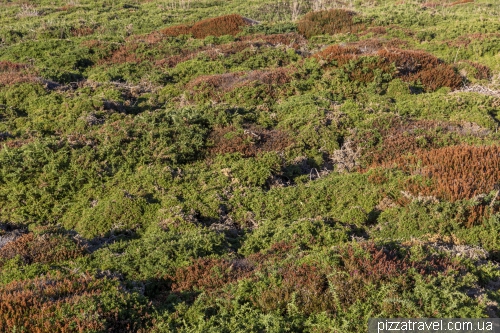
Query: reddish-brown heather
{"points": [[460, 2], [207, 274], [375, 265], [421, 66], [248, 142], [12, 73], [474, 215], [176, 30], [8, 66], [41, 249], [306, 285], [217, 26], [331, 22], [457, 172], [341, 55], [126, 53], [215, 86], [82, 31], [442, 75], [398, 137], [482, 72], [412, 66], [41, 305], [465, 40], [409, 61]]}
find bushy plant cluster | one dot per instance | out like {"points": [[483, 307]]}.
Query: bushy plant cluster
{"points": [[218, 26], [331, 21], [168, 166], [458, 172]]}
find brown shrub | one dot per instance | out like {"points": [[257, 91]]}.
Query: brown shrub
{"points": [[331, 22], [41, 249], [215, 86], [460, 2], [474, 215], [217, 26], [409, 61], [342, 55], [11, 78], [412, 66], [82, 31], [176, 30], [376, 265], [12, 73], [41, 305], [8, 66], [306, 285], [482, 72], [248, 142], [400, 137], [207, 274], [440, 76], [457, 172], [424, 67], [125, 53]]}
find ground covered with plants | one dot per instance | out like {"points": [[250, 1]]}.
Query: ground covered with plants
{"points": [[247, 166]]}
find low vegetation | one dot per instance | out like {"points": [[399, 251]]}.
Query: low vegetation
{"points": [[257, 166]]}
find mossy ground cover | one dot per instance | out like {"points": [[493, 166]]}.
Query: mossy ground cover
{"points": [[247, 166]]}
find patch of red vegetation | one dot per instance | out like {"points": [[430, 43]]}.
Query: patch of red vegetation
{"points": [[217, 26], [445, 4], [41, 249], [215, 86], [207, 274], [374, 265], [412, 66], [13, 73], [82, 31], [41, 305], [331, 21], [482, 72], [248, 142], [465, 40], [456, 172], [340, 54], [306, 285]]}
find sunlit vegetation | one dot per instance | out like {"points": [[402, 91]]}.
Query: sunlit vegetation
{"points": [[247, 166]]}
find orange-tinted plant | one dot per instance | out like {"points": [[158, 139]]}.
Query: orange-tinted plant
{"points": [[421, 66], [12, 73], [457, 172], [215, 86], [54, 303], [46, 248], [207, 274], [482, 72], [341, 55], [176, 30], [372, 264], [306, 285], [331, 22], [217, 26], [248, 142]]}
